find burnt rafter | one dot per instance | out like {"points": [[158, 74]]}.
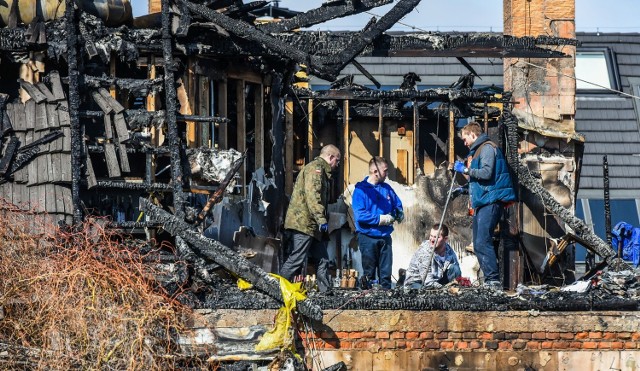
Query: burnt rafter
{"points": [[371, 32], [227, 258], [324, 13], [248, 32]]}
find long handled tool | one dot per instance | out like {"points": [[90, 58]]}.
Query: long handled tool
{"points": [[444, 212]]}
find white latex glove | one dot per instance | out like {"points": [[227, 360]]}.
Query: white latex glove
{"points": [[386, 219]]}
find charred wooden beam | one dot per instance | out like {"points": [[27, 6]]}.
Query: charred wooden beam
{"points": [[7, 156], [322, 14], [158, 187], [550, 203], [135, 87], [227, 258], [32, 90], [366, 73], [443, 95], [248, 32], [26, 153], [362, 40], [170, 102], [77, 151]]}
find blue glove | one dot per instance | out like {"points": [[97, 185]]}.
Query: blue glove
{"points": [[459, 167], [399, 215], [324, 227]]}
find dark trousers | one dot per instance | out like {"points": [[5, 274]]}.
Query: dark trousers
{"points": [[485, 220], [300, 246], [376, 255]]}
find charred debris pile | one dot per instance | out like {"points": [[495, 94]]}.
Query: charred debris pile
{"points": [[97, 116]]}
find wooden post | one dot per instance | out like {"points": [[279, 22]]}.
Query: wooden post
{"points": [[486, 118], [241, 130], [204, 129], [288, 145], [452, 134], [112, 73], [259, 126], [380, 128], [347, 139], [222, 111], [416, 140], [310, 130]]}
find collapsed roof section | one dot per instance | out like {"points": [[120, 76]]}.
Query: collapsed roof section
{"points": [[207, 30]]}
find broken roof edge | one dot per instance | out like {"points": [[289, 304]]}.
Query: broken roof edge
{"points": [[553, 133]]}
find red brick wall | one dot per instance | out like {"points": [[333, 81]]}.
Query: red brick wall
{"points": [[469, 341]]}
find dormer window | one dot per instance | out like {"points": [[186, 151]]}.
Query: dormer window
{"points": [[596, 71]]}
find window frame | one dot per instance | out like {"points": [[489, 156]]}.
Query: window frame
{"points": [[612, 70]]}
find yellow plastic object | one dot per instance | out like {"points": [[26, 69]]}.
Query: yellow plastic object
{"points": [[244, 285], [281, 335]]}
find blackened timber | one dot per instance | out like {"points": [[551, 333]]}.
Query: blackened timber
{"points": [[121, 127], [44, 140], [115, 105], [150, 150], [136, 87], [550, 203], [74, 105], [7, 156], [227, 258], [170, 103], [443, 95], [157, 187], [366, 73], [362, 40], [326, 44], [245, 31], [112, 160], [149, 116], [56, 85], [33, 92], [322, 14]]}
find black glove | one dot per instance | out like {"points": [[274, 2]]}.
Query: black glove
{"points": [[399, 215]]}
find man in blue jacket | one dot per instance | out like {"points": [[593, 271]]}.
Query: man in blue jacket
{"points": [[375, 208], [491, 190]]}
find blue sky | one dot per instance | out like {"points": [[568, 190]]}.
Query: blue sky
{"points": [[473, 15]]}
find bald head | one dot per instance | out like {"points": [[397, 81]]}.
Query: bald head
{"points": [[331, 154]]}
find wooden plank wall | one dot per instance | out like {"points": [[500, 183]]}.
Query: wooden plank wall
{"points": [[44, 184]]}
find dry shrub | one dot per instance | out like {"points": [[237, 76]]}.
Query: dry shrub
{"points": [[79, 299]]}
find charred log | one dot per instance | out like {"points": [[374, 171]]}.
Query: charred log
{"points": [[322, 14], [402, 8], [245, 31], [224, 256]]}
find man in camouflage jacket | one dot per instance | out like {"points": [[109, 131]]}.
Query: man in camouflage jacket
{"points": [[306, 218]]}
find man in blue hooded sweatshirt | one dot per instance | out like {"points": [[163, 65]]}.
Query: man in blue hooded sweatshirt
{"points": [[375, 208], [491, 190]]}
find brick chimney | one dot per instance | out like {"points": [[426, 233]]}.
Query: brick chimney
{"points": [[546, 99], [155, 6]]}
